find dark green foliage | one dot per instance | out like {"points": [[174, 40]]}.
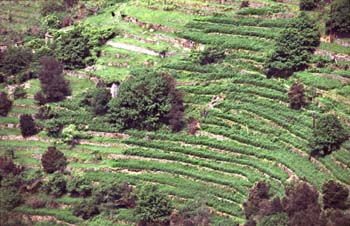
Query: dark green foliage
{"points": [[193, 213], [328, 135], [146, 101], [5, 104], [293, 47], [339, 21], [97, 99], [153, 207], [53, 160], [75, 49], [308, 4], [244, 4], [8, 167], [56, 185], [114, 195], [334, 195], [79, 186], [27, 125], [10, 198], [51, 6], [86, 209], [15, 60], [336, 217], [296, 96], [53, 85]]}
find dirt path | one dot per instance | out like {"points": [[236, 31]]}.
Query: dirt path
{"points": [[132, 48]]}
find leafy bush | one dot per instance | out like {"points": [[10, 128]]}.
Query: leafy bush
{"points": [[53, 160], [211, 55], [79, 186], [15, 60], [97, 99], [339, 21], [153, 207], [86, 209], [146, 101], [27, 125], [334, 195], [56, 184], [5, 104], [293, 48], [76, 48], [328, 135], [53, 85]]}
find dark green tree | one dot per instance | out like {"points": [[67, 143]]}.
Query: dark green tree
{"points": [[146, 101], [27, 125], [339, 21], [53, 160], [56, 185], [293, 47], [5, 104], [328, 135], [153, 207], [79, 186], [53, 85], [296, 96]]}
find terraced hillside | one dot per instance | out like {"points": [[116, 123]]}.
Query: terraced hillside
{"points": [[247, 132]]}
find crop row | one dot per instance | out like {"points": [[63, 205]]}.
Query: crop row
{"points": [[246, 21], [227, 42], [242, 160], [234, 30]]}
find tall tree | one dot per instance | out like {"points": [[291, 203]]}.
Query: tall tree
{"points": [[53, 160], [27, 125], [53, 85]]}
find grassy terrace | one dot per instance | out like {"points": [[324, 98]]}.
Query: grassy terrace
{"points": [[251, 135]]}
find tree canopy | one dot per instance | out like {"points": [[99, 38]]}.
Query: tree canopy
{"points": [[339, 21], [146, 101]]}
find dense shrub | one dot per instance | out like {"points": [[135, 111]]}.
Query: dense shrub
{"points": [[244, 4], [76, 48], [27, 125], [339, 21], [56, 184], [114, 195], [10, 198], [5, 104], [328, 135], [293, 47], [308, 4], [8, 167], [146, 101], [97, 99], [15, 60], [334, 195], [296, 96], [79, 186], [53, 85], [153, 207], [53, 160], [211, 55], [86, 209]]}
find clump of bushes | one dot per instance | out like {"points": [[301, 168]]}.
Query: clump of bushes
{"points": [[339, 21], [308, 5], [97, 99]]}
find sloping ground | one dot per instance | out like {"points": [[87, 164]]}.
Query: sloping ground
{"points": [[249, 135]]}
